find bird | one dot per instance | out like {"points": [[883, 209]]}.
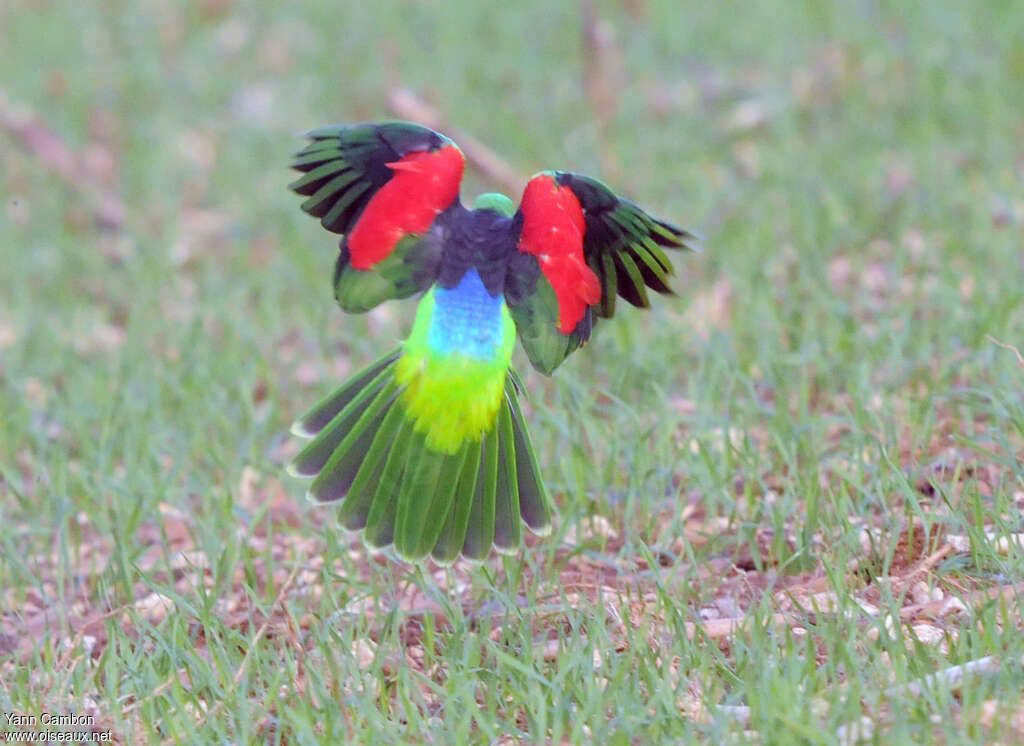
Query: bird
{"points": [[426, 449]]}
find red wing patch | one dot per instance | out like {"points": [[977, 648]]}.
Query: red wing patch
{"points": [[553, 228], [424, 184]]}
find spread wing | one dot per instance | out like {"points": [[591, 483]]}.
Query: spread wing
{"points": [[580, 245], [383, 186]]}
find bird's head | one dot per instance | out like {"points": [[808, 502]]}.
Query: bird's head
{"points": [[499, 203]]}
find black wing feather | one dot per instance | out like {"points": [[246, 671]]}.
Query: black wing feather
{"points": [[345, 165], [622, 243]]}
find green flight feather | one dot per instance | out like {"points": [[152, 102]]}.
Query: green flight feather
{"points": [[312, 158], [342, 206], [659, 256], [653, 275], [636, 294], [342, 193], [609, 284], [318, 176]]}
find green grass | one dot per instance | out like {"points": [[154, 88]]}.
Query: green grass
{"points": [[827, 386]]}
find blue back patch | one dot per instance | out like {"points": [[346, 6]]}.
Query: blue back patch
{"points": [[466, 320]]}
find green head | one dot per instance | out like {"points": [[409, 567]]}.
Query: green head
{"points": [[497, 202]]}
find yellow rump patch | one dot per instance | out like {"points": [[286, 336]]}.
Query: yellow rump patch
{"points": [[451, 396]]}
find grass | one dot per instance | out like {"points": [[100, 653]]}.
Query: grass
{"points": [[788, 499]]}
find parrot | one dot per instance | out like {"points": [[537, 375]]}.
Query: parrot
{"points": [[426, 449]]}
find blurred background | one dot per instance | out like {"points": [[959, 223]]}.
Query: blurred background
{"points": [[855, 168]]}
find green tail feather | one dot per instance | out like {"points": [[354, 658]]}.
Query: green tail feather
{"points": [[333, 481], [367, 456], [506, 500], [325, 410], [312, 459], [380, 518], [453, 535], [480, 533], [394, 429], [421, 479], [360, 455], [534, 503], [427, 500]]}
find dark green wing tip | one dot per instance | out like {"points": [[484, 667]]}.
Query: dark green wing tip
{"points": [[624, 244], [400, 135], [330, 130], [677, 238], [596, 196], [641, 224]]}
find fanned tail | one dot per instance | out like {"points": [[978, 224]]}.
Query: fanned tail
{"points": [[367, 454]]}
